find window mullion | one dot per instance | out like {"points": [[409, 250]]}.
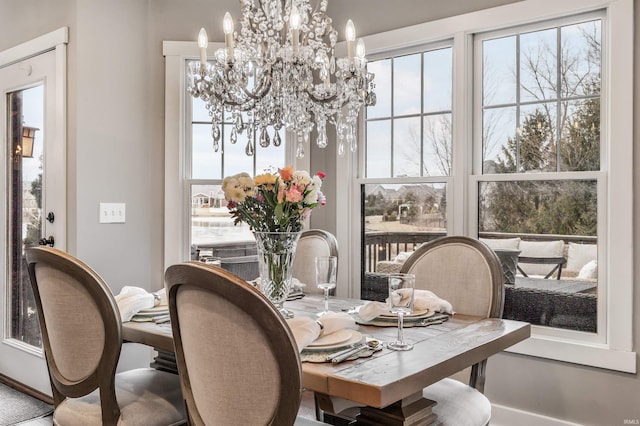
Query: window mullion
{"points": [[559, 111], [518, 124]]}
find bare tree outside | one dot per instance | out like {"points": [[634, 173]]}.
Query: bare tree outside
{"points": [[558, 130]]}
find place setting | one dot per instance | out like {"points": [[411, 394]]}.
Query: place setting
{"points": [[342, 345], [416, 307]]}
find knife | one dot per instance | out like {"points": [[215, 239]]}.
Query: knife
{"points": [[334, 355], [347, 354]]}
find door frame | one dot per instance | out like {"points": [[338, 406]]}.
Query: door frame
{"points": [[55, 135]]}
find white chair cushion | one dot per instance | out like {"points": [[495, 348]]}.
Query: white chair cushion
{"points": [[458, 404], [540, 249], [589, 271], [402, 256], [579, 255], [502, 243], [145, 396]]}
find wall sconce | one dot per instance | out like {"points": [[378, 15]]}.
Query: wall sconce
{"points": [[28, 137]]}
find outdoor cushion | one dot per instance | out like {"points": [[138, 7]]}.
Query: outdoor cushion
{"points": [[402, 256], [540, 249], [579, 255], [589, 271], [502, 243]]}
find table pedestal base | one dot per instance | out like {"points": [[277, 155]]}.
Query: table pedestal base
{"points": [[165, 361], [408, 412]]}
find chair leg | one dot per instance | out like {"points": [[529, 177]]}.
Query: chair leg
{"points": [[319, 414], [476, 380]]}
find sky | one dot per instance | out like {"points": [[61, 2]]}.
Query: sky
{"points": [[33, 116]]}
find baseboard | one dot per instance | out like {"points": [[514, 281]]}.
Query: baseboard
{"points": [[25, 389], [507, 416]]}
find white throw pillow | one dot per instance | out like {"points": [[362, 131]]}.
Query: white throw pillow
{"points": [[540, 249], [589, 270], [502, 243], [580, 254], [402, 256]]}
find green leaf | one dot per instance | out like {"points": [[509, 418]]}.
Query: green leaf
{"points": [[279, 212]]}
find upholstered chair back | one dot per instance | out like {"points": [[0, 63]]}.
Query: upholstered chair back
{"points": [[79, 321], [313, 243], [237, 359], [462, 270], [82, 339], [468, 274]]}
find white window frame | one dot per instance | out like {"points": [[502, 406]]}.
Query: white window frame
{"points": [[613, 348], [177, 150]]}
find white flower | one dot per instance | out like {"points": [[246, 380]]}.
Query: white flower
{"points": [[238, 187], [314, 190], [301, 178], [317, 182], [311, 197]]}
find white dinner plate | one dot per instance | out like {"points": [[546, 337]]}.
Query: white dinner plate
{"points": [[354, 337], [423, 313], [334, 338], [152, 312]]}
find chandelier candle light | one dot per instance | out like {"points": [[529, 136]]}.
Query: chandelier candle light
{"points": [[280, 70]]}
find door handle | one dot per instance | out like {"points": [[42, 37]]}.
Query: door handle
{"points": [[46, 241]]}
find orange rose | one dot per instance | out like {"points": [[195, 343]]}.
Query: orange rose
{"points": [[286, 173]]}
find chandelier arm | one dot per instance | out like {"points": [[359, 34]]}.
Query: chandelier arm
{"points": [[319, 100], [259, 94], [243, 106]]}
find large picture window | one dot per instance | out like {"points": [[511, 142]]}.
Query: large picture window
{"points": [[540, 111], [516, 138]]}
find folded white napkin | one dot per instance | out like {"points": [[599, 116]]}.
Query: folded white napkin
{"points": [[422, 300], [306, 330], [132, 300]]}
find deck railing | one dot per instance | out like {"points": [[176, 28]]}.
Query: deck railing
{"points": [[380, 245]]}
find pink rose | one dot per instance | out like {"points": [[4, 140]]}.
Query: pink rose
{"points": [[294, 195]]}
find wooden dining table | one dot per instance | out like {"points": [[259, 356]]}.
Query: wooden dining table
{"points": [[389, 382]]}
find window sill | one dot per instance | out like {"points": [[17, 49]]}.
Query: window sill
{"points": [[583, 353]]}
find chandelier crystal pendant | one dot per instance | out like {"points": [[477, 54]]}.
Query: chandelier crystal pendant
{"points": [[279, 72]]}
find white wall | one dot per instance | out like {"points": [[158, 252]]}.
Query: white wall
{"points": [[116, 132]]}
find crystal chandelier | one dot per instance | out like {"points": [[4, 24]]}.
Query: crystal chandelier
{"points": [[280, 70]]}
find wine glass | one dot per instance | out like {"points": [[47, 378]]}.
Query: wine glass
{"points": [[326, 270], [400, 302]]}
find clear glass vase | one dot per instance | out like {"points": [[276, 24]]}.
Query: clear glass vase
{"points": [[276, 251]]}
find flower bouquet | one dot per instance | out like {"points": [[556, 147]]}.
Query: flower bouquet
{"points": [[275, 207]]}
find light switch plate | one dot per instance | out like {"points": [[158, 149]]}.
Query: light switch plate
{"points": [[112, 212]]}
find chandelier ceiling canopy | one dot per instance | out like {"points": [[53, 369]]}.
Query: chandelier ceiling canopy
{"points": [[278, 70]]}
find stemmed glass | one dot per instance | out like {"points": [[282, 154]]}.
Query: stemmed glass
{"points": [[326, 270], [400, 302]]}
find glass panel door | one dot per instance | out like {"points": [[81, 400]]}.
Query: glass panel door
{"points": [[32, 205], [25, 166]]}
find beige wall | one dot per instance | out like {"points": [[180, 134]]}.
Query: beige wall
{"points": [[116, 146]]}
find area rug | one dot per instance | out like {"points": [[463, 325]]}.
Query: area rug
{"points": [[16, 407]]}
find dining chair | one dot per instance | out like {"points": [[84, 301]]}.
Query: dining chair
{"points": [[313, 243], [82, 339], [468, 274], [237, 358]]}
